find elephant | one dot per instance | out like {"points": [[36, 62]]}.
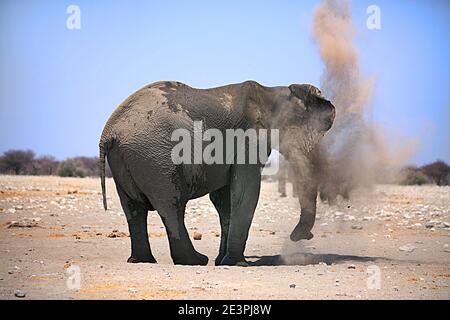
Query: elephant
{"points": [[137, 143]]}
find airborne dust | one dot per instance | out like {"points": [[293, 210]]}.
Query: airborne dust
{"points": [[356, 153]]}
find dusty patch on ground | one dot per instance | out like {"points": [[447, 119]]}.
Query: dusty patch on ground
{"points": [[398, 234]]}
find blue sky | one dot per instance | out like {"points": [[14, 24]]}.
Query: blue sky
{"points": [[59, 86]]}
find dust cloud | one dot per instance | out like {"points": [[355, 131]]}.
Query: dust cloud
{"points": [[355, 152]]}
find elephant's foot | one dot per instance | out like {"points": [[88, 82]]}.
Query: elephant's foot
{"points": [[137, 259], [202, 259], [219, 259], [300, 233], [232, 261], [196, 259]]}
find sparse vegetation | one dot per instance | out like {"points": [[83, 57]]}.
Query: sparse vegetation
{"points": [[25, 162], [437, 173], [412, 176], [44, 165]]}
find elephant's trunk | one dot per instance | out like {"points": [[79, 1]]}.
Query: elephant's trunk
{"points": [[307, 198], [307, 185]]}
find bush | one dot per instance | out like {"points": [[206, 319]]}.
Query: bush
{"points": [[71, 168], [413, 177], [89, 164]]}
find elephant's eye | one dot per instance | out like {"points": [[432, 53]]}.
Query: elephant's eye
{"points": [[299, 104]]}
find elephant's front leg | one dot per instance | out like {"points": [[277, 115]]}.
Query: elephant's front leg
{"points": [[244, 193], [221, 200]]}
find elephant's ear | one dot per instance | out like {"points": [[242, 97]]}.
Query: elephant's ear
{"points": [[305, 91]]}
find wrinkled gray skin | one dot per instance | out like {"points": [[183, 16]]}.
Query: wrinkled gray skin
{"points": [[137, 143]]}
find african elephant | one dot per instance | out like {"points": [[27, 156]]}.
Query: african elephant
{"points": [[137, 142]]}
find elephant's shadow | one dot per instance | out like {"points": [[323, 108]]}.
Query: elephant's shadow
{"points": [[303, 259]]}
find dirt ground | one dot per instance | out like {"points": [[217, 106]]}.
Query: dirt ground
{"points": [[57, 242]]}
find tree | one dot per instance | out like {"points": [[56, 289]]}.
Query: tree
{"points": [[437, 172], [45, 165], [16, 161]]}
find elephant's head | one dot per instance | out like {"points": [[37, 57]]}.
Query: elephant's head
{"points": [[303, 116]]}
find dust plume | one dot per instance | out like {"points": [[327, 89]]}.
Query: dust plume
{"points": [[355, 152]]}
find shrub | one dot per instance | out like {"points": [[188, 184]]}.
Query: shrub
{"points": [[90, 165], [413, 176], [71, 168]]}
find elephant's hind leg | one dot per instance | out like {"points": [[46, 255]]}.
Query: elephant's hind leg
{"points": [[163, 189], [181, 249], [136, 215]]}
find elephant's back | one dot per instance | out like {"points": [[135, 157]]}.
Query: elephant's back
{"points": [[145, 114], [158, 109]]}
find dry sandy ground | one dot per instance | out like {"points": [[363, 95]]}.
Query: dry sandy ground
{"points": [[55, 232]]}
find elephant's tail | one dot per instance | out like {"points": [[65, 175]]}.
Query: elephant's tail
{"points": [[102, 172]]}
